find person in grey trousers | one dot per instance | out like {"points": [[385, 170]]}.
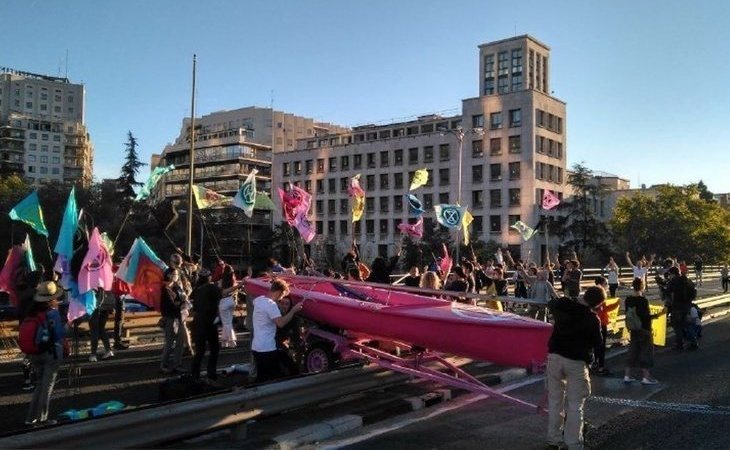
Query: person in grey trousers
{"points": [[97, 324], [173, 298], [48, 360]]}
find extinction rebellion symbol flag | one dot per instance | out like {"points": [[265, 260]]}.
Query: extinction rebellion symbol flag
{"points": [[450, 216]]}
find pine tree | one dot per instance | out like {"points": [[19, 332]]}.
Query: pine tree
{"points": [[130, 169]]}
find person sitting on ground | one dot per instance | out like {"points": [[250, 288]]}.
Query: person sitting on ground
{"points": [[641, 347], [266, 319], [413, 279], [576, 332]]}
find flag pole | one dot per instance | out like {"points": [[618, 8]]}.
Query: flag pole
{"points": [[48, 247], [124, 222], [191, 157]]}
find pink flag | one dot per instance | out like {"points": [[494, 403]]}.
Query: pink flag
{"points": [[549, 200], [294, 201], [355, 190], [446, 261], [413, 230], [96, 269], [305, 227]]}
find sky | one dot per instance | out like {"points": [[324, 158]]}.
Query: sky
{"points": [[645, 82]]}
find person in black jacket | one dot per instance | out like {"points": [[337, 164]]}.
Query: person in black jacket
{"points": [[381, 269], [171, 303], [678, 290], [576, 332]]}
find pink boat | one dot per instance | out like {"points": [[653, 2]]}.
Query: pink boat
{"points": [[435, 324]]}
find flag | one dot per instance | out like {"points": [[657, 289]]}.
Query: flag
{"points": [[358, 198], [155, 176], [525, 231], [144, 272], [108, 243], [96, 268], [206, 198], [80, 303], [420, 178], [304, 226], [65, 242], [549, 200], [465, 222], [412, 229], [294, 201], [246, 196], [29, 260], [12, 272], [446, 261], [414, 204], [263, 202], [450, 216], [29, 211]]}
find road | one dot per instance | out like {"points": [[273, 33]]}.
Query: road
{"points": [[688, 377]]}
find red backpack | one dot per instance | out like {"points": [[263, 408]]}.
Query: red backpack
{"points": [[34, 337]]}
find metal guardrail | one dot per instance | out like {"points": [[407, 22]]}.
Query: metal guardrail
{"points": [[142, 428]]}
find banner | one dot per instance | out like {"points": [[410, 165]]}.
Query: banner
{"points": [[526, 232], [206, 198], [414, 205], [450, 216], [155, 176], [246, 196], [549, 200], [465, 222], [29, 211], [414, 230], [420, 178]]}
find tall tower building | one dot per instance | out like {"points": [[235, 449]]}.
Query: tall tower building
{"points": [[42, 132]]}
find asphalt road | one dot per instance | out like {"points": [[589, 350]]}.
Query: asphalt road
{"points": [[689, 377]]}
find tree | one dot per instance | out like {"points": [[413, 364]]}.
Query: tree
{"points": [[580, 229], [130, 169], [677, 223], [704, 193]]}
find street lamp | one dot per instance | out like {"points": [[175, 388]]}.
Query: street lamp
{"points": [[460, 133]]}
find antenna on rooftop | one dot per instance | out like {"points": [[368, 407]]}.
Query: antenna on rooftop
{"points": [[66, 72]]}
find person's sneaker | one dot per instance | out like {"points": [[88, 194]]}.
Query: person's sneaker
{"points": [[92, 358], [629, 380], [649, 381], [30, 423], [121, 346], [49, 422], [107, 355]]}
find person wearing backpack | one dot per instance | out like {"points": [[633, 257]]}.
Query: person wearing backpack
{"points": [[41, 337], [638, 322]]}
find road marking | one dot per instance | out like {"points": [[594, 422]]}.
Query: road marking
{"points": [[668, 407]]}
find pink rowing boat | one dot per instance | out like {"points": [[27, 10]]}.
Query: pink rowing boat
{"points": [[441, 325]]}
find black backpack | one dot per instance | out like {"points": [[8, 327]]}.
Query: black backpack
{"points": [[691, 291]]}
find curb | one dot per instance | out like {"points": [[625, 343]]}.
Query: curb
{"points": [[321, 431]]}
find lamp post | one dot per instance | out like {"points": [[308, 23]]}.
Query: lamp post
{"points": [[459, 133]]}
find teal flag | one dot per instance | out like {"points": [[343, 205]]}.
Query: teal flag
{"points": [[450, 216], [29, 211], [246, 196], [29, 259], [65, 243], [155, 176], [525, 231]]}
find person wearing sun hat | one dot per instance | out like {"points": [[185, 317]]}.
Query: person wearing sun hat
{"points": [[47, 362]]}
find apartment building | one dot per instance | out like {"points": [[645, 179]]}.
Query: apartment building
{"points": [[42, 132], [497, 157]]}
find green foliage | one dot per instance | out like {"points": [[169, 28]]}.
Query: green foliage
{"points": [[678, 223], [130, 168]]}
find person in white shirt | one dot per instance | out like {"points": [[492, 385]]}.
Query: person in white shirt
{"points": [[266, 319], [612, 276], [640, 269]]}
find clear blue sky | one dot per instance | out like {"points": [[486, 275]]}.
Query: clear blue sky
{"points": [[646, 82]]}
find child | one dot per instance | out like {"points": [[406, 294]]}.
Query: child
{"points": [[694, 320]]}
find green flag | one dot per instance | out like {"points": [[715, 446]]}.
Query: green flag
{"points": [[525, 231], [155, 176], [29, 211], [263, 202]]}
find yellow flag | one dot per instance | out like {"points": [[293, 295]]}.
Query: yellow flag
{"points": [[612, 313], [466, 220], [206, 198], [358, 206], [658, 325], [420, 178]]}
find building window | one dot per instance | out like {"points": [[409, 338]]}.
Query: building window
{"points": [[319, 226], [444, 152], [297, 167], [514, 197], [513, 219], [495, 198], [398, 157], [495, 120], [384, 181], [477, 200], [515, 117], [320, 186], [477, 149], [32, 147], [428, 128], [410, 131], [495, 172], [515, 144], [286, 169], [489, 66], [344, 183], [443, 177], [477, 121], [330, 227], [344, 208], [385, 134], [477, 173], [332, 186], [357, 161], [31, 158], [398, 203], [44, 169], [370, 226], [502, 85], [343, 227], [345, 162], [308, 166], [495, 146], [427, 201], [44, 137], [516, 83], [333, 164], [55, 171], [384, 204], [413, 156], [514, 170], [44, 148], [398, 180], [503, 61], [428, 154], [560, 175], [370, 182], [384, 159], [477, 226], [429, 183], [371, 160], [44, 159], [444, 197], [495, 224], [489, 87], [516, 61], [308, 186], [372, 136], [370, 204]]}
